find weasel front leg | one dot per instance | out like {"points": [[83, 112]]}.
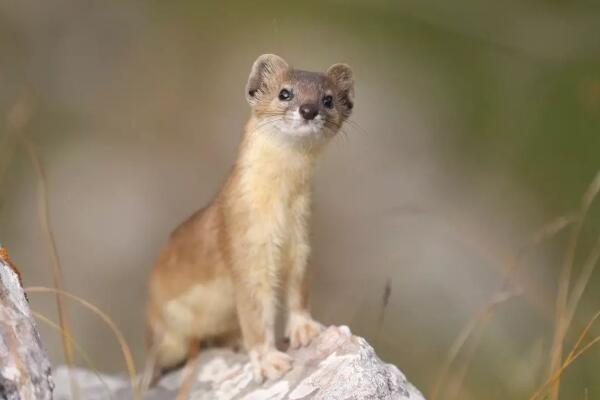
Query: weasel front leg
{"points": [[301, 328], [255, 280]]}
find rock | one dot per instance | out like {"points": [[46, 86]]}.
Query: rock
{"points": [[336, 365], [24, 366]]}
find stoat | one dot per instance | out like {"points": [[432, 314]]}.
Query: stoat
{"points": [[223, 270]]}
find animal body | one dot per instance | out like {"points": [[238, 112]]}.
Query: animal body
{"points": [[221, 274]]}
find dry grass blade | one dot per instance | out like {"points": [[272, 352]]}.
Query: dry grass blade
{"points": [[120, 338], [556, 376], [385, 301], [573, 355], [476, 324], [80, 351], [16, 120], [547, 231], [550, 230], [57, 273], [584, 277], [561, 312], [454, 388], [583, 335]]}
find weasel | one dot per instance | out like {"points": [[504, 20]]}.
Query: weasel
{"points": [[223, 270]]}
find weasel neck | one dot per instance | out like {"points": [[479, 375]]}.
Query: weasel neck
{"points": [[268, 162], [265, 147]]}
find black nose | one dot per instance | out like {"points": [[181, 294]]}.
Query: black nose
{"points": [[309, 111]]}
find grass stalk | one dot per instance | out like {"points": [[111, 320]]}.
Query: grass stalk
{"points": [[563, 313], [78, 348], [125, 350]]}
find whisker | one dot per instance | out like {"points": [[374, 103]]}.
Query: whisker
{"points": [[266, 122], [355, 124]]}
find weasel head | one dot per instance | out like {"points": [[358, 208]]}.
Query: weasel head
{"points": [[300, 106]]}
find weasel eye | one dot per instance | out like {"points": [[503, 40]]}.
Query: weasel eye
{"points": [[328, 101], [285, 95]]}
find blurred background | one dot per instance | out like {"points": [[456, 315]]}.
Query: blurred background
{"points": [[476, 123]]}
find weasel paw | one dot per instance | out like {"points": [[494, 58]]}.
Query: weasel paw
{"points": [[301, 330], [271, 364]]}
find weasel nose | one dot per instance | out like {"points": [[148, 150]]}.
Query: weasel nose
{"points": [[309, 111]]}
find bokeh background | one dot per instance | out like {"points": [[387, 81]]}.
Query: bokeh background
{"points": [[475, 124]]}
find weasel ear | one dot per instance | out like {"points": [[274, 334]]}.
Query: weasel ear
{"points": [[341, 74], [265, 71]]}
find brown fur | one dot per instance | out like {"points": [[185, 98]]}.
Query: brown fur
{"points": [[219, 275]]}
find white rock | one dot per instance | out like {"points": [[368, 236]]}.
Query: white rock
{"points": [[336, 365]]}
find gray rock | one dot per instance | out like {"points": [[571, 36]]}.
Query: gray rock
{"points": [[24, 366], [336, 365]]}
